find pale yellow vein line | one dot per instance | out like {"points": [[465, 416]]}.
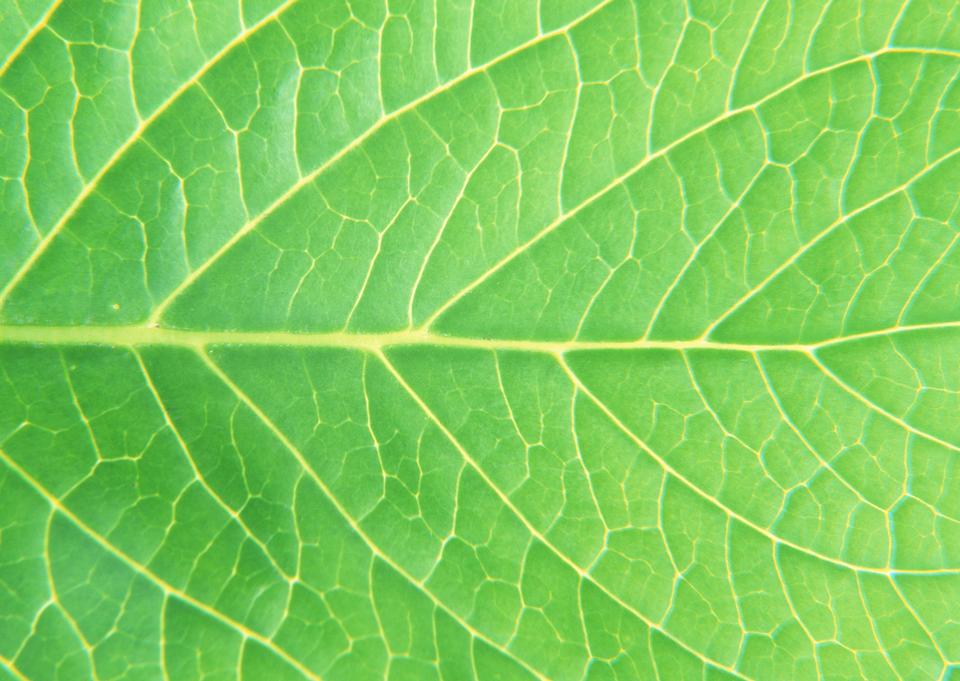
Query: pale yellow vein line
{"points": [[871, 620], [90, 186], [376, 608], [31, 34], [778, 405], [457, 201], [12, 668], [133, 335], [930, 273], [349, 519], [944, 659], [751, 34], [812, 35], [718, 421], [522, 248], [579, 385], [144, 335], [232, 513], [728, 569], [142, 570], [698, 246], [889, 331], [824, 233], [657, 88], [588, 478], [72, 623], [895, 24], [379, 125], [75, 400], [382, 492], [873, 406], [508, 503], [164, 672], [775, 550]]}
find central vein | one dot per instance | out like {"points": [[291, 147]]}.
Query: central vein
{"points": [[134, 335]]}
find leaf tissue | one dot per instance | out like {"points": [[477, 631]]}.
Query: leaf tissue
{"points": [[610, 340]]}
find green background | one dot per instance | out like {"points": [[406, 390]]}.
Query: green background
{"points": [[502, 339]]}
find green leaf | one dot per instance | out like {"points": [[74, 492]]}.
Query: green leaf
{"points": [[569, 339]]}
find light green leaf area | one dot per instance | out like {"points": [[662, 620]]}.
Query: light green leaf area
{"points": [[495, 339]]}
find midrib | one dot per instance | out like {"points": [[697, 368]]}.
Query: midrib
{"points": [[135, 335]]}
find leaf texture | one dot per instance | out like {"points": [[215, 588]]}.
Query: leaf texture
{"points": [[571, 339]]}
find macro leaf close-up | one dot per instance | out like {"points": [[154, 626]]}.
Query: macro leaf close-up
{"points": [[450, 340]]}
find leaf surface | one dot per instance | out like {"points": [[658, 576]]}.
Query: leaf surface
{"points": [[597, 339]]}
